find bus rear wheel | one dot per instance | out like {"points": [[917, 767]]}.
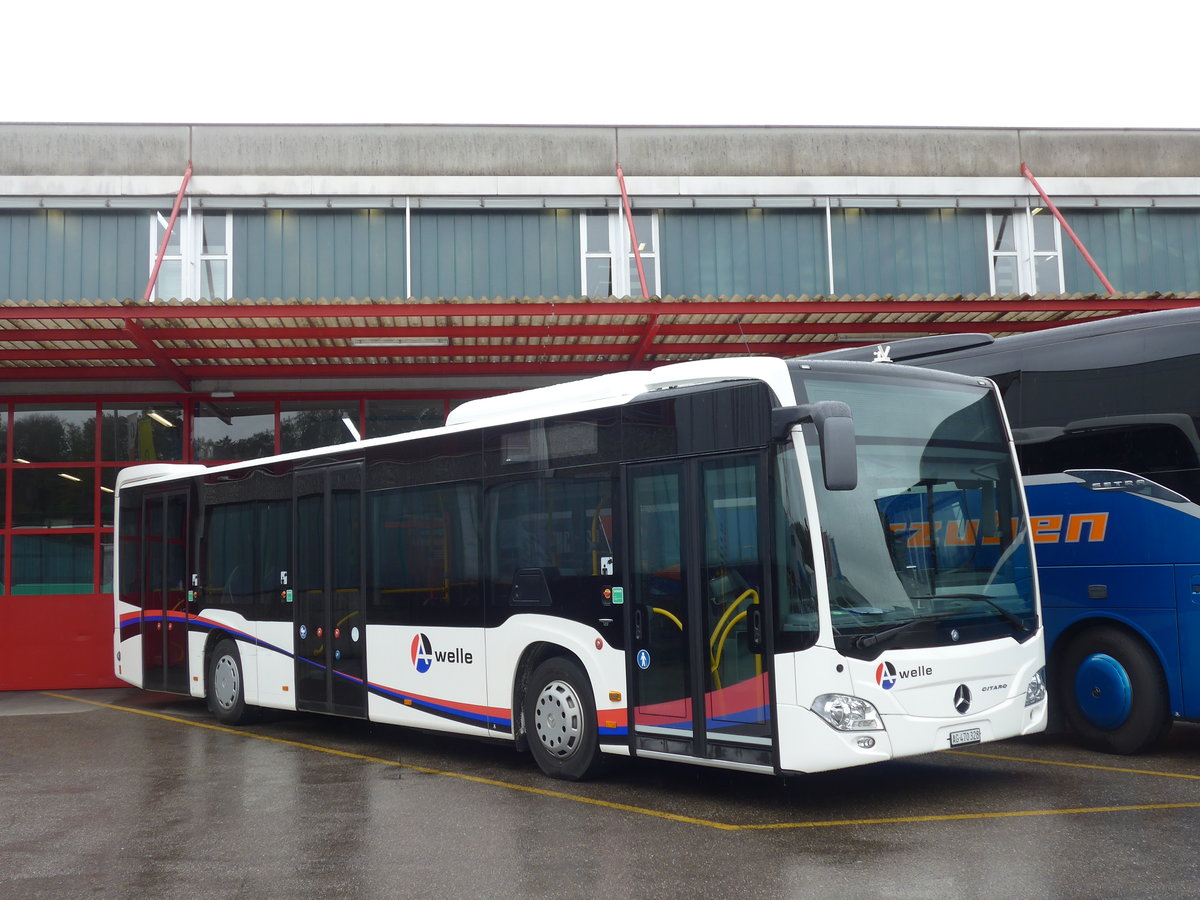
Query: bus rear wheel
{"points": [[1113, 691], [226, 686], [560, 721]]}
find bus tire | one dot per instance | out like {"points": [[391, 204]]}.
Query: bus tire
{"points": [[560, 721], [1113, 691], [226, 686]]}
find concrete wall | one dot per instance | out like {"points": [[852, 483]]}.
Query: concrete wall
{"points": [[446, 150]]}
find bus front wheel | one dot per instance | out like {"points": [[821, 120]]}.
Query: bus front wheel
{"points": [[1112, 691], [226, 685], [560, 721]]}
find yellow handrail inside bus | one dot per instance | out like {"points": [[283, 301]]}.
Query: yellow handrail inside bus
{"points": [[722, 631], [670, 615], [716, 658], [720, 635], [748, 593]]}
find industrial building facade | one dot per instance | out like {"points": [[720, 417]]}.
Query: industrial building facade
{"points": [[322, 283]]}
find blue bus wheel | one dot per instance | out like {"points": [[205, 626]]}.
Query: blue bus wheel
{"points": [[1103, 691], [1112, 690]]}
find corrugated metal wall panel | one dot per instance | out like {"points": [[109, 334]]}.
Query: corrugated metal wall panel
{"points": [[102, 254], [14, 241], [496, 254], [937, 251], [74, 255], [300, 253], [743, 251], [1152, 250]]}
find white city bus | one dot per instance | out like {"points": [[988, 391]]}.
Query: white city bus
{"points": [[747, 563]]}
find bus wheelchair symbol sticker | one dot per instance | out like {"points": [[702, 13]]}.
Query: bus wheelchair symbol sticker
{"points": [[643, 659]]}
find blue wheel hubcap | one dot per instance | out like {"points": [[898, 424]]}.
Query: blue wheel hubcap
{"points": [[1103, 691]]}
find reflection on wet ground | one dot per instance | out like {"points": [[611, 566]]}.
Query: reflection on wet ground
{"points": [[144, 794]]}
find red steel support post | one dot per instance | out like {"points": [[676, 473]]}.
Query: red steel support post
{"points": [[1067, 228]]}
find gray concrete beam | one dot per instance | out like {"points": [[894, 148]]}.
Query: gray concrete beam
{"points": [[1112, 154], [440, 151], [435, 150], [55, 150], [818, 151]]}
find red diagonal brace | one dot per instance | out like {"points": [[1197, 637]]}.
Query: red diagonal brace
{"points": [[637, 252], [146, 344], [1087, 257], [646, 342], [162, 248]]}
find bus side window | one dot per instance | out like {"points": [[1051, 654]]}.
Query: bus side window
{"points": [[424, 555], [1143, 448], [229, 563], [546, 534]]}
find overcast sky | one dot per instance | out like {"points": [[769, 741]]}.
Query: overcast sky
{"points": [[1043, 63]]}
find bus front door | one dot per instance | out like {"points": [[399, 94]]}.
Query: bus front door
{"points": [[698, 674], [329, 616], [165, 613]]}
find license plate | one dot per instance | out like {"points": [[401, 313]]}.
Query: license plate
{"points": [[961, 738]]}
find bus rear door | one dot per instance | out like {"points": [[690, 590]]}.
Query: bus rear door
{"points": [[165, 614]]}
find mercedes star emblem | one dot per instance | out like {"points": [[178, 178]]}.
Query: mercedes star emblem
{"points": [[962, 698]]}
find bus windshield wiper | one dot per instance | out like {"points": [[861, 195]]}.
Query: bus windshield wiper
{"points": [[864, 641], [1000, 610]]}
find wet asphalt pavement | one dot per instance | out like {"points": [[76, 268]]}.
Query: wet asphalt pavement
{"points": [[122, 793]]}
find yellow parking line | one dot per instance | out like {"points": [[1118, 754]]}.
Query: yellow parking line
{"points": [[960, 817], [1074, 765], [654, 813]]}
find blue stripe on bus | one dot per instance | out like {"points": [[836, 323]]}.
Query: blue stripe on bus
{"points": [[441, 708]]}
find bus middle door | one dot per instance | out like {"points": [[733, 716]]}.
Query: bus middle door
{"points": [[329, 611]]}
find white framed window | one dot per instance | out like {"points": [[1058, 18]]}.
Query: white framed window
{"points": [[198, 262], [609, 267], [1025, 247]]}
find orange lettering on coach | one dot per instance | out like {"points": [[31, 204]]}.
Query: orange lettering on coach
{"points": [[1046, 529], [1097, 524]]}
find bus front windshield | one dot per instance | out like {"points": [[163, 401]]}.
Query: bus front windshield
{"points": [[930, 549]]}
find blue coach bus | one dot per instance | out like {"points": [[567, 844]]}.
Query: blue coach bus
{"points": [[1105, 416]]}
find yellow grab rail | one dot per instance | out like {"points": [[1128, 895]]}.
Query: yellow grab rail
{"points": [[720, 635], [670, 615]]}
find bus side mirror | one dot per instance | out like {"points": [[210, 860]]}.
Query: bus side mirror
{"points": [[835, 434]]}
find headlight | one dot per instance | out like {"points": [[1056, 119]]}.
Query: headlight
{"points": [[1036, 691], [846, 713]]}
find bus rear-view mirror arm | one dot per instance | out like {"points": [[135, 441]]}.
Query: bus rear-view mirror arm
{"points": [[835, 434]]}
